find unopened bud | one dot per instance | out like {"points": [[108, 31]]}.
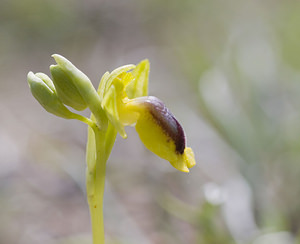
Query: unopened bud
{"points": [[84, 86], [66, 90], [41, 89]]}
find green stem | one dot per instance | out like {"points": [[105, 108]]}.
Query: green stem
{"points": [[96, 181], [83, 119], [99, 145]]}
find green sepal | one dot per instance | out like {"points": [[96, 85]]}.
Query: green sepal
{"points": [[110, 105], [102, 85], [110, 92], [115, 74], [139, 86], [66, 90]]}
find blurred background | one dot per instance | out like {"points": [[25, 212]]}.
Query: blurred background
{"points": [[228, 70]]}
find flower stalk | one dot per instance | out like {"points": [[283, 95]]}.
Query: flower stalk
{"points": [[121, 100], [95, 183]]}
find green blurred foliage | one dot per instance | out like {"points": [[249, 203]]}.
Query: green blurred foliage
{"points": [[289, 33], [31, 22]]}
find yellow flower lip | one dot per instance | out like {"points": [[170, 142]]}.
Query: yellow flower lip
{"points": [[160, 132], [165, 120]]}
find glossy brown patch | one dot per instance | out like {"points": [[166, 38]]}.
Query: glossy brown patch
{"points": [[166, 120]]}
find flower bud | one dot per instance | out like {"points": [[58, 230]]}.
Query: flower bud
{"points": [[84, 86], [45, 78], [43, 91], [66, 90]]}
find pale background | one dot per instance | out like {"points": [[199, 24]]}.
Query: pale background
{"points": [[228, 70]]}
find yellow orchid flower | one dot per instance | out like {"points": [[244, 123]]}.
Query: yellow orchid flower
{"points": [[125, 102]]}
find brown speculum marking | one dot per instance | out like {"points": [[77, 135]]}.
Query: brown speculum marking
{"points": [[166, 120]]}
